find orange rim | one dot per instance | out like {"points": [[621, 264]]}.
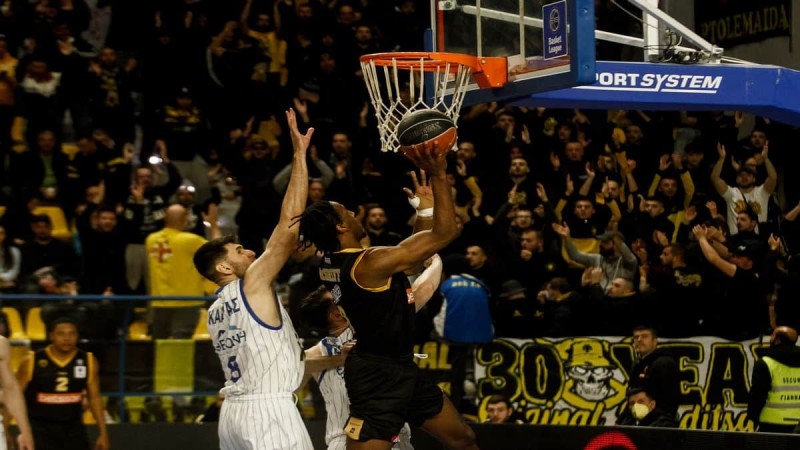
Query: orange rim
{"points": [[488, 72]]}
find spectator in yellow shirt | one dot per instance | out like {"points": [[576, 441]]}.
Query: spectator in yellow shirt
{"points": [[172, 273]]}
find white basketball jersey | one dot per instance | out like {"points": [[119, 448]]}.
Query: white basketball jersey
{"points": [[256, 358], [331, 385], [337, 404]]}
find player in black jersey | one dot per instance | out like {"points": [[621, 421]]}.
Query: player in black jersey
{"points": [[370, 286], [53, 380]]}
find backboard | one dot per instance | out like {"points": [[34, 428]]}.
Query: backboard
{"points": [[549, 44]]}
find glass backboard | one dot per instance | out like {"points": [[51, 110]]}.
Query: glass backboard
{"points": [[548, 44]]}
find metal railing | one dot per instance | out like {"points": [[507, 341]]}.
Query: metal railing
{"points": [[122, 337]]}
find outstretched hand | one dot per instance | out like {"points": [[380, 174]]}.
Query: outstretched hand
{"points": [[422, 190], [428, 156], [700, 232], [300, 141]]}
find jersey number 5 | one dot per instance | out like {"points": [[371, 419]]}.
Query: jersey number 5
{"points": [[234, 367]]}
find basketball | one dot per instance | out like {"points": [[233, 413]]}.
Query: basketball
{"points": [[427, 125]]}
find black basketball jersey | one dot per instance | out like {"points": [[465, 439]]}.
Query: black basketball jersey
{"points": [[55, 391], [383, 318]]}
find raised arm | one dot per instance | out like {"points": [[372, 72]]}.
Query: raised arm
{"points": [[12, 397], [427, 283], [711, 255], [719, 184], [380, 263], [284, 238], [245, 17], [772, 175]]}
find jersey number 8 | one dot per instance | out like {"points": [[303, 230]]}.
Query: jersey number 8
{"points": [[234, 367]]}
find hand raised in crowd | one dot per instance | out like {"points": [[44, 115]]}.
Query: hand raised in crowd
{"points": [[137, 191], [738, 118], [461, 168], [579, 117], [660, 238], [541, 192], [422, 190], [689, 214], [715, 234], [721, 150], [775, 243], [589, 171], [555, 161], [211, 217], [561, 229], [570, 186], [301, 107], [735, 164], [512, 195], [525, 136], [712, 209], [700, 232], [583, 141], [664, 163]]}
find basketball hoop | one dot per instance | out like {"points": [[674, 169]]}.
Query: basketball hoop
{"points": [[401, 89]]}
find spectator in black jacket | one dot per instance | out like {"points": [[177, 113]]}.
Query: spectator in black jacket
{"points": [[644, 411], [655, 371], [45, 251], [144, 214]]}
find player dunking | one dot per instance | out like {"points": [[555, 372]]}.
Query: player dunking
{"points": [[251, 331], [382, 381], [319, 311]]}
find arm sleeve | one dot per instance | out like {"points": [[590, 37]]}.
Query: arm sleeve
{"points": [[281, 180], [580, 257], [325, 170], [627, 255], [688, 188]]}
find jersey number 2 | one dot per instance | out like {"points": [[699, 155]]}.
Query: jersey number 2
{"points": [[62, 384], [234, 367]]}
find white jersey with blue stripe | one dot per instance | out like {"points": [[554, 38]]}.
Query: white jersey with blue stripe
{"points": [[255, 357]]}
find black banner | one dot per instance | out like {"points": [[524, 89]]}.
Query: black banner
{"points": [[728, 23]]}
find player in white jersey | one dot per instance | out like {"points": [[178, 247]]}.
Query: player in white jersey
{"points": [[252, 334], [13, 401], [321, 312]]}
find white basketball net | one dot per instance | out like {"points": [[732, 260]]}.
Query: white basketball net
{"points": [[393, 99]]}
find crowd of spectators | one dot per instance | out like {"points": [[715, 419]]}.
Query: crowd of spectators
{"points": [[577, 222]]}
